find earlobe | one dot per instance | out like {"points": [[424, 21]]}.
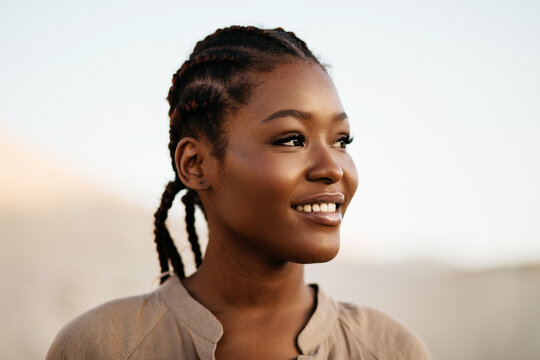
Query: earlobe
{"points": [[189, 160]]}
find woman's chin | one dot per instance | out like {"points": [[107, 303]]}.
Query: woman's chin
{"points": [[319, 254]]}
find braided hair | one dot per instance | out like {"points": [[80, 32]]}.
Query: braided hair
{"points": [[209, 87]]}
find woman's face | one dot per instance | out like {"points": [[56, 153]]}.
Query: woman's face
{"points": [[285, 156]]}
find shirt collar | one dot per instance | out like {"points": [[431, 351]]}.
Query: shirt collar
{"points": [[320, 323], [201, 321], [189, 311]]}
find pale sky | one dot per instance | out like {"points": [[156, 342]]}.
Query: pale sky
{"points": [[443, 98]]}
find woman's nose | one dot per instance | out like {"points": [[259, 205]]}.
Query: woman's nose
{"points": [[324, 165]]}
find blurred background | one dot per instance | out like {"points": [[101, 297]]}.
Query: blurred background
{"points": [[443, 97]]}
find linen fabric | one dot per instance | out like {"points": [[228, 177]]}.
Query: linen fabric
{"points": [[169, 323]]}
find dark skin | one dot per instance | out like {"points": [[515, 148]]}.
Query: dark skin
{"points": [[252, 276]]}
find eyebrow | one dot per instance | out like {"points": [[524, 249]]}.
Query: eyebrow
{"points": [[301, 115]]}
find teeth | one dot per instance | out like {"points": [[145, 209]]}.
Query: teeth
{"points": [[324, 207]]}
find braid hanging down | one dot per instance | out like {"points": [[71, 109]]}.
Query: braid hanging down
{"points": [[208, 88]]}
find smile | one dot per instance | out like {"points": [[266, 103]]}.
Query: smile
{"points": [[322, 207]]}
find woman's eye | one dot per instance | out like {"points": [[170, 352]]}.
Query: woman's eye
{"points": [[343, 141], [291, 140]]}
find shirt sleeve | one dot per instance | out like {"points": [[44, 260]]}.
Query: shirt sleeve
{"points": [[60, 348]]}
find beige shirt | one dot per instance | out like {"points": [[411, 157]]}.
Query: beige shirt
{"points": [[170, 324]]}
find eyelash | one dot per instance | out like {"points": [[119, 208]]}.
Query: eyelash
{"points": [[295, 138], [345, 140], [299, 140]]}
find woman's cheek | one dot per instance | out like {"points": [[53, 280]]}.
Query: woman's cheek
{"points": [[266, 185], [351, 177]]}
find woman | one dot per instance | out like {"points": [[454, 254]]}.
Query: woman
{"points": [[258, 140]]}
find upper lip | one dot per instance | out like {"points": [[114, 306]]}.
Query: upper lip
{"points": [[337, 198]]}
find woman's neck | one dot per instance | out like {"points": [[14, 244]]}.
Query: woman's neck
{"points": [[230, 280]]}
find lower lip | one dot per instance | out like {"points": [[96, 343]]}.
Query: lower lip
{"points": [[323, 218]]}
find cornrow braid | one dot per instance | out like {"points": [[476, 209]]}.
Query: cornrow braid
{"points": [[208, 89], [188, 200], [164, 243], [198, 61], [275, 41]]}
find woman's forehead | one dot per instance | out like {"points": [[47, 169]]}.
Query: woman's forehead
{"points": [[298, 86]]}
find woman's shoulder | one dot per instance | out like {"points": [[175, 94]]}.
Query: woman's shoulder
{"points": [[110, 330], [380, 334]]}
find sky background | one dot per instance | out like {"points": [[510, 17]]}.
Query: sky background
{"points": [[443, 98]]}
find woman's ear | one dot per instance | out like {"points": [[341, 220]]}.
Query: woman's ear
{"points": [[189, 158]]}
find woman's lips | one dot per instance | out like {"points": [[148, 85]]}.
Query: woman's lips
{"points": [[323, 218], [334, 198], [322, 208]]}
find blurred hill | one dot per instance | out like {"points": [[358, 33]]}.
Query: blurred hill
{"points": [[66, 245], [460, 314]]}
